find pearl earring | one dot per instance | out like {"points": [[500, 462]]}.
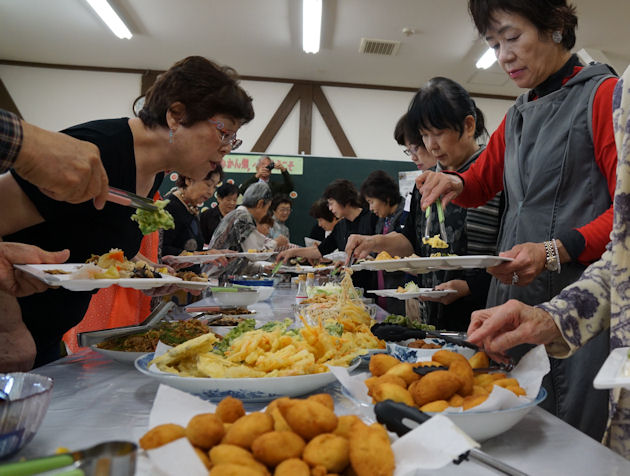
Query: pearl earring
{"points": [[170, 136], [556, 36]]}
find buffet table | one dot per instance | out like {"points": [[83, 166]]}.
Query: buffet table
{"points": [[96, 400]]}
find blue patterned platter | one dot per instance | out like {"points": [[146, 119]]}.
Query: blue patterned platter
{"points": [[411, 354], [261, 389]]}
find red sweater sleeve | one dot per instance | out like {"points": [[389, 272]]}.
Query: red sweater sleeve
{"points": [[484, 179], [597, 233]]}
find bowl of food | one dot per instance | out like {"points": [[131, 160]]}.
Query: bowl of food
{"points": [[265, 287], [22, 410], [232, 296]]}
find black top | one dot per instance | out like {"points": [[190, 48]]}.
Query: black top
{"points": [[210, 219], [317, 233], [364, 224], [285, 187], [82, 229], [187, 232]]}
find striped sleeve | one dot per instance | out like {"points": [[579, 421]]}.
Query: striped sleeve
{"points": [[10, 139], [482, 227]]}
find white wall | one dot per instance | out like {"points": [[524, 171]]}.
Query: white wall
{"points": [[55, 99]]}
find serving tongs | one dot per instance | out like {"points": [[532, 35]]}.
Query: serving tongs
{"points": [[86, 339], [397, 333], [427, 227], [397, 417], [128, 199]]}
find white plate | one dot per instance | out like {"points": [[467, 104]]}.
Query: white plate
{"points": [[255, 256], [337, 256], [424, 292], [193, 284], [611, 375], [260, 389], [65, 281], [402, 352], [118, 355], [310, 241], [304, 269], [418, 265], [196, 259]]}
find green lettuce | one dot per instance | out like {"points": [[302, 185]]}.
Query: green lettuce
{"points": [[150, 221]]}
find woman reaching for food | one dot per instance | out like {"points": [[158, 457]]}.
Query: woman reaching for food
{"points": [[188, 123], [555, 141]]}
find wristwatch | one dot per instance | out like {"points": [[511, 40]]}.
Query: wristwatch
{"points": [[551, 262]]}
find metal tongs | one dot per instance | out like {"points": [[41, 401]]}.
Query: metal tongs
{"points": [[128, 199], [395, 415], [396, 333], [440, 213]]}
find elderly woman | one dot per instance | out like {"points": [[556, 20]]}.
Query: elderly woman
{"points": [[184, 207], [557, 139], [326, 221], [592, 305], [237, 230], [188, 123], [227, 196]]}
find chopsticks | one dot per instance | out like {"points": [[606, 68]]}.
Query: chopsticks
{"points": [[128, 199]]}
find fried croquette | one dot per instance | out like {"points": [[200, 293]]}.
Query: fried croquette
{"points": [[323, 398], [274, 447], [319, 471], [438, 385], [308, 418], [446, 357], [381, 363], [161, 435], [370, 451], [203, 456], [247, 428], [205, 430], [479, 361], [456, 400], [232, 454], [233, 469], [390, 391], [464, 371], [344, 424], [404, 370], [371, 381], [426, 363], [230, 409], [292, 467], [328, 450], [436, 406], [473, 401]]}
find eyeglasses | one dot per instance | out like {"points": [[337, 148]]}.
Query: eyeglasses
{"points": [[227, 138], [411, 150]]}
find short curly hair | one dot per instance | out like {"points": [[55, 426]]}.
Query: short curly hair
{"points": [[343, 192]]}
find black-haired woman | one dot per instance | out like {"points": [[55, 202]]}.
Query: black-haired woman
{"points": [[227, 196]]}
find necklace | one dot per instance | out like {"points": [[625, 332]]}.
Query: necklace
{"points": [[192, 208]]}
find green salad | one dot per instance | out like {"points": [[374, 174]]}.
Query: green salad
{"points": [[403, 321], [150, 221]]}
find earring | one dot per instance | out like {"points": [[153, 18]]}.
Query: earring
{"points": [[170, 136], [556, 36]]}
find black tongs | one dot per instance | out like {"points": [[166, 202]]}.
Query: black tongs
{"points": [[397, 333], [393, 415]]}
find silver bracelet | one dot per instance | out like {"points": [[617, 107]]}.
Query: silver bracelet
{"points": [[555, 249]]}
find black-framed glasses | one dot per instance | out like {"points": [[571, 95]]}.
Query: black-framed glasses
{"points": [[411, 150], [227, 138]]}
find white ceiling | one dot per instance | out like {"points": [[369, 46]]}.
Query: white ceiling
{"points": [[263, 38]]}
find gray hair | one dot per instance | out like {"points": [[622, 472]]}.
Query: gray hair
{"points": [[256, 192], [260, 160]]}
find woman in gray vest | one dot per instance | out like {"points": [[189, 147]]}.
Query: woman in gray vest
{"points": [[554, 157]]}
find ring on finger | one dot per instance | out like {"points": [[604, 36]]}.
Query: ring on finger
{"points": [[515, 278]]}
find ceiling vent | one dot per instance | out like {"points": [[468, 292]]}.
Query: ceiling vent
{"points": [[370, 46]]}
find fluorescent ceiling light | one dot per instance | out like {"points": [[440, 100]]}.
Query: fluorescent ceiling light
{"points": [[111, 19], [311, 25], [486, 60]]}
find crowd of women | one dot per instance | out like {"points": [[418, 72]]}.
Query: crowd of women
{"points": [[540, 190]]}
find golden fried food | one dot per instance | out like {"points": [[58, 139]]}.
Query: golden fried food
{"points": [[456, 400], [274, 447], [480, 390], [382, 256], [404, 370], [446, 357], [205, 430], [319, 471], [324, 398], [372, 381], [390, 391], [328, 450], [473, 401], [246, 429], [292, 467], [516, 389], [370, 451], [479, 361], [426, 363], [233, 469], [436, 406], [203, 456], [381, 363], [483, 379], [464, 371], [230, 409], [438, 385], [161, 435], [231, 454], [308, 418], [506, 382], [344, 425]]}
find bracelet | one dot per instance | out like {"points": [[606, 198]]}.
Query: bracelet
{"points": [[552, 259], [555, 249]]}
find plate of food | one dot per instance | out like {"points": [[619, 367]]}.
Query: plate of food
{"points": [[615, 372], [411, 291], [197, 257], [420, 265]]}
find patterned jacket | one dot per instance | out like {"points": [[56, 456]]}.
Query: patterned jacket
{"points": [[601, 297]]}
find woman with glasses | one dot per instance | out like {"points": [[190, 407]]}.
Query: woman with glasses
{"points": [[450, 124], [188, 123], [410, 138]]}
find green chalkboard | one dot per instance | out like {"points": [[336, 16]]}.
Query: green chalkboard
{"points": [[318, 172]]}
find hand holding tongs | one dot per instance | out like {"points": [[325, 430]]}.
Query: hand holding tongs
{"points": [[440, 213], [129, 199]]}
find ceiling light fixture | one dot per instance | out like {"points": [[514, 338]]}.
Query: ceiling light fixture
{"points": [[486, 60], [311, 25], [111, 18]]}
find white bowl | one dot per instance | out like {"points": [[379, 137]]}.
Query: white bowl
{"points": [[239, 298], [404, 353], [264, 292]]}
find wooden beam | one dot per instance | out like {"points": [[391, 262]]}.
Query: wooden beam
{"points": [[333, 124], [6, 101], [276, 121], [306, 118]]}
